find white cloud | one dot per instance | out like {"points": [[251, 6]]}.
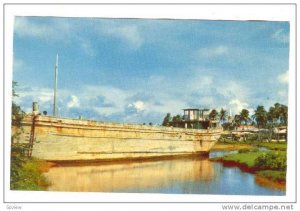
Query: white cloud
{"points": [[208, 101], [74, 102], [138, 106], [39, 95], [237, 105], [281, 36], [284, 77], [167, 105], [128, 33], [148, 101], [59, 30], [212, 52], [24, 27], [105, 111], [232, 89], [44, 97], [111, 95]]}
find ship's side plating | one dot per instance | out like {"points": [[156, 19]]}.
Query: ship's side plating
{"points": [[63, 139]]}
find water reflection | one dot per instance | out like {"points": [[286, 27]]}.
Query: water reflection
{"points": [[187, 176], [215, 154], [123, 176]]}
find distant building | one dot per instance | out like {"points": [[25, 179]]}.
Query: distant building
{"points": [[280, 130], [247, 128], [195, 114]]}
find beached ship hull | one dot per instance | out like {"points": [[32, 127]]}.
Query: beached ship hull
{"points": [[62, 139]]}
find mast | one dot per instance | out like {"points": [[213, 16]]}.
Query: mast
{"points": [[55, 87]]}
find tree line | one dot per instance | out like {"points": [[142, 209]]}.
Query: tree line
{"points": [[277, 115]]}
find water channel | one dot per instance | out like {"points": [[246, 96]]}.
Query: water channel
{"points": [[176, 176]]}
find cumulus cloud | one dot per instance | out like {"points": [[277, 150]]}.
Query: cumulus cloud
{"points": [[39, 95], [24, 27], [138, 106], [27, 95], [61, 31], [284, 77], [74, 102], [128, 33], [110, 95], [212, 52], [237, 105], [281, 36], [148, 101], [58, 30]]}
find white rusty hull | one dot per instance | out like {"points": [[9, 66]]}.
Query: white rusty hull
{"points": [[62, 139]]}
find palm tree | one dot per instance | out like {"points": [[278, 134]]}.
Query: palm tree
{"points": [[167, 120], [237, 121], [260, 116], [176, 120], [283, 114], [244, 116], [271, 115], [223, 115], [277, 107], [278, 114]]}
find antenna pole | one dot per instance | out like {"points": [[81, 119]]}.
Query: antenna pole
{"points": [[55, 87]]}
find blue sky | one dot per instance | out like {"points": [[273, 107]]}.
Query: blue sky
{"points": [[137, 70]]}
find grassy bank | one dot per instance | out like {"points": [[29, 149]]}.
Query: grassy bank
{"points": [[229, 145], [274, 146], [277, 176], [27, 173], [264, 164]]}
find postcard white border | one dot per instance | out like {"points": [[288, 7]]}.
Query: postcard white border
{"points": [[264, 12]]}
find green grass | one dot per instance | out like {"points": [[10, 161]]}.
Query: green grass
{"points": [[270, 165], [274, 146], [26, 174], [227, 145], [277, 176], [247, 159], [267, 164]]}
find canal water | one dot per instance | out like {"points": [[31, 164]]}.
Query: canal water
{"points": [[176, 176]]}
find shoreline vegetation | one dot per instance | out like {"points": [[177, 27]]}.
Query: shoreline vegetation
{"points": [[27, 172], [268, 166], [30, 176]]}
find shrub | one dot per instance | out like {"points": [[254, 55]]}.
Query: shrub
{"points": [[271, 161], [25, 172]]}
